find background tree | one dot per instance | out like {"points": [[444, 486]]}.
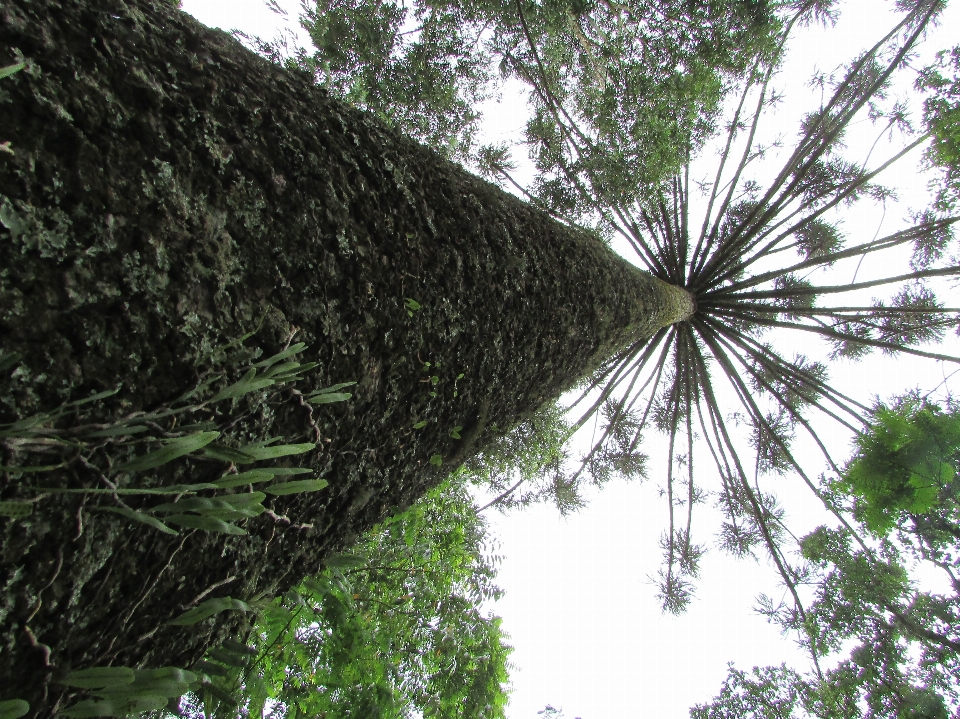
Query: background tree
{"points": [[393, 629], [620, 93], [426, 81], [527, 465], [906, 463], [640, 77], [871, 585], [941, 81]]}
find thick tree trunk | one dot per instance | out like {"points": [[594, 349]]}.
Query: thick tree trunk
{"points": [[167, 189]]}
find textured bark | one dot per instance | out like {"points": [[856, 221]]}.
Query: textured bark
{"points": [[168, 189]]}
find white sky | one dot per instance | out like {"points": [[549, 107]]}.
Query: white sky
{"points": [[588, 633]]}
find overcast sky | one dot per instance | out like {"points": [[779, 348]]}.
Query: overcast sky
{"points": [[582, 615]]}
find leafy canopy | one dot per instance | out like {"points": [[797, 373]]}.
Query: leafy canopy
{"points": [[942, 116], [392, 630], [642, 75], [866, 584], [907, 462]]}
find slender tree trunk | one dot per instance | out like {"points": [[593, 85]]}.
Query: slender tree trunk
{"points": [[167, 189]]}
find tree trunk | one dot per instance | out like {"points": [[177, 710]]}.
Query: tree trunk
{"points": [[167, 189]]}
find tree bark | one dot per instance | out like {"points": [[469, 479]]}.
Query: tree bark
{"points": [[167, 189]]}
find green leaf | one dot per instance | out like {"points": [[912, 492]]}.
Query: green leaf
{"points": [[8, 360], [210, 608], [435, 380], [13, 709], [197, 426], [234, 506], [329, 397], [264, 442], [235, 342], [280, 356], [334, 388], [207, 524], [140, 517], [254, 476], [227, 454], [345, 561], [294, 597], [191, 504], [171, 489], [24, 424], [238, 390], [436, 459], [118, 431], [148, 688], [304, 367], [240, 648], [231, 659], [412, 304], [92, 398], [6, 72], [251, 477], [173, 673], [27, 422], [214, 670], [303, 485], [248, 383], [16, 510], [319, 586], [114, 707], [27, 470], [246, 499], [231, 515], [341, 582], [289, 371], [174, 449], [280, 369], [99, 677], [420, 425], [280, 450], [455, 432]]}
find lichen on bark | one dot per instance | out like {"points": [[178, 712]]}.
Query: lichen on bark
{"points": [[168, 190]]}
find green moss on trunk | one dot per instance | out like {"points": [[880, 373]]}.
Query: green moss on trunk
{"points": [[169, 188]]}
